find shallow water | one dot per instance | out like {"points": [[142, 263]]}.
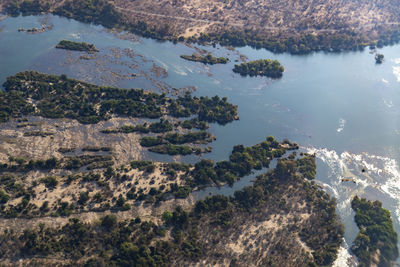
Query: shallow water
{"points": [[343, 107]]}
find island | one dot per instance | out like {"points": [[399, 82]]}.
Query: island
{"points": [[261, 67], [209, 59], [376, 243], [76, 46]]}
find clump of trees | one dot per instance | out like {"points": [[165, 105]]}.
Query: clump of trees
{"points": [[50, 182], [377, 238], [77, 46], [27, 7], [195, 123], [97, 11], [156, 127], [175, 138], [143, 165], [379, 58], [307, 166], [173, 150], [208, 59], [208, 109], [261, 67]]}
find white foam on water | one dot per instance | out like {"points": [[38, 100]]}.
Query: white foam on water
{"points": [[216, 81], [396, 60], [332, 189], [178, 70], [380, 173], [189, 69], [162, 64], [389, 103], [342, 123], [392, 186], [344, 257], [75, 36], [396, 72]]}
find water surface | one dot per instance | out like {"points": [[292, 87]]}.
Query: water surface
{"points": [[343, 107]]}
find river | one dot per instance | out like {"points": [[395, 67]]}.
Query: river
{"points": [[341, 106]]}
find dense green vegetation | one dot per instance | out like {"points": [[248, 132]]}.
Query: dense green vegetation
{"points": [[170, 140], [60, 97], [33, 7], [201, 137], [155, 127], [173, 150], [149, 141], [210, 110], [195, 123], [261, 67], [301, 44], [379, 58], [91, 11], [209, 59], [376, 243], [307, 166], [69, 45], [241, 162]]}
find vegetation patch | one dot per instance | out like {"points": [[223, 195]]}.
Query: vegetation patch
{"points": [[38, 133], [376, 243], [208, 59], [173, 150], [155, 127], [76, 46], [379, 58], [261, 67], [60, 97]]}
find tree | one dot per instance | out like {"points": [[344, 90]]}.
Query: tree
{"points": [[285, 168], [83, 197], [50, 182], [167, 216], [379, 58], [109, 221], [3, 197]]}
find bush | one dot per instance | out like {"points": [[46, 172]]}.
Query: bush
{"points": [[3, 197], [109, 221], [50, 182]]}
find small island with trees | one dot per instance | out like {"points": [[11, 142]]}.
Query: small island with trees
{"points": [[262, 67], [376, 243], [76, 46], [208, 59], [379, 58]]}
